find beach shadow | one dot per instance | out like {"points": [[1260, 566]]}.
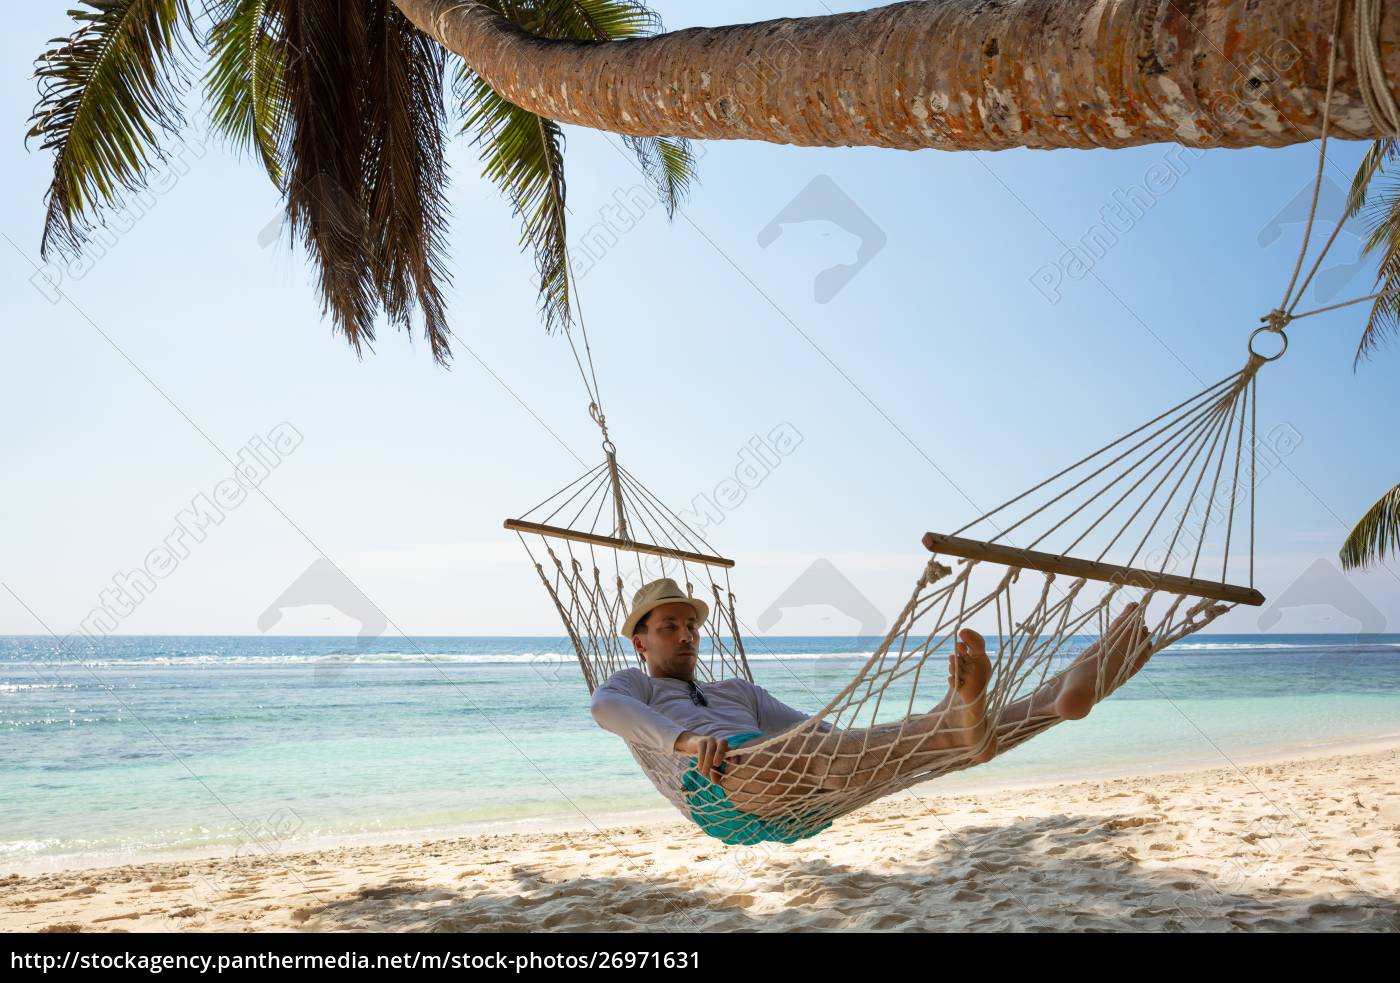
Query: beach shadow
{"points": [[1069, 873], [542, 903], [1076, 873]]}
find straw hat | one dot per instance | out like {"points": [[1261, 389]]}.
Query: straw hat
{"points": [[655, 594]]}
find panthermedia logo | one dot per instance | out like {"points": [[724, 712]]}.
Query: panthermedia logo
{"points": [[823, 201], [1324, 586], [324, 583], [1346, 255], [823, 584]]}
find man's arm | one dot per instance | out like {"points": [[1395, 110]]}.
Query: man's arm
{"points": [[619, 705], [774, 715]]}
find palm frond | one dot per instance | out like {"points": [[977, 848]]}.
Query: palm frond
{"points": [[1382, 324], [523, 154], [343, 103], [1381, 208], [669, 164], [596, 20], [326, 157], [341, 100], [1371, 162], [1377, 534], [406, 193], [106, 94], [245, 83]]}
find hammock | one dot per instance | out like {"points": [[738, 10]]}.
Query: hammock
{"points": [[1179, 489], [1162, 516]]}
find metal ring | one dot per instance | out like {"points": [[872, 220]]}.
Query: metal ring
{"points": [[608, 447], [1268, 358]]}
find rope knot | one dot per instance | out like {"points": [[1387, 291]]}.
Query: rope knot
{"points": [[596, 412], [1276, 320]]}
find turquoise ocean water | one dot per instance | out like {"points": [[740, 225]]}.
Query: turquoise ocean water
{"points": [[162, 746]]}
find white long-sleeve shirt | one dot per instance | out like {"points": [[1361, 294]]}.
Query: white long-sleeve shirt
{"points": [[652, 711]]}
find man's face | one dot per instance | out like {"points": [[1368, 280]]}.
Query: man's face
{"points": [[670, 641]]}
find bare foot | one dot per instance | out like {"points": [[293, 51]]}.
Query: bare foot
{"points": [[969, 670], [1126, 638]]}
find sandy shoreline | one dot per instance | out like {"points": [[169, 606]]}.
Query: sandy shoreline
{"points": [[1310, 842]]}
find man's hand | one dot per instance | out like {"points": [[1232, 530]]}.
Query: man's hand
{"points": [[708, 751]]}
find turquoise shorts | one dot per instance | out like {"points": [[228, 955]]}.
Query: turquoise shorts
{"points": [[712, 811]]}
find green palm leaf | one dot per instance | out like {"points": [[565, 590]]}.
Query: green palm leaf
{"points": [[580, 20], [1382, 212], [667, 161], [669, 164], [1371, 162], [1377, 533], [1381, 209], [105, 94], [523, 153], [342, 102], [1379, 529], [245, 83]]}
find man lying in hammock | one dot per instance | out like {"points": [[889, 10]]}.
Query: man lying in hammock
{"points": [[662, 708]]}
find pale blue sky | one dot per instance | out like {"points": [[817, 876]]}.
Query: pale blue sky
{"points": [[185, 337]]}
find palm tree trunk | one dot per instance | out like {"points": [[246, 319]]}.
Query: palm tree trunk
{"points": [[955, 74]]}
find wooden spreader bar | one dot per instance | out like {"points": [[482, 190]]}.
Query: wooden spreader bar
{"points": [[1110, 573], [594, 539]]}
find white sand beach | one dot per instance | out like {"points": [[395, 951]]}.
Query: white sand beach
{"points": [[1298, 844]]}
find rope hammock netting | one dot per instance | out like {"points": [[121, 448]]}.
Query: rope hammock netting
{"points": [[1162, 517]]}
